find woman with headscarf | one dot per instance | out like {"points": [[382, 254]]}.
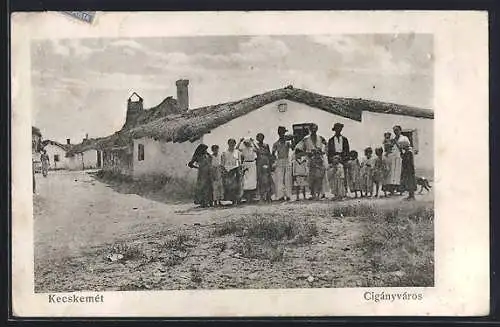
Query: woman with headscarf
{"points": [[264, 164], [202, 161]]}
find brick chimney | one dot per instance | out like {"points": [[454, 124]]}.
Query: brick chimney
{"points": [[134, 108], [182, 94], [68, 141]]}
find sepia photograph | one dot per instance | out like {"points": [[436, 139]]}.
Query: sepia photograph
{"points": [[233, 162], [250, 161]]}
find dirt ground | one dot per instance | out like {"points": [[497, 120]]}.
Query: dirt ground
{"points": [[89, 237]]}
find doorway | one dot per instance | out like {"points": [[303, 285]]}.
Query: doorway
{"points": [[99, 159]]}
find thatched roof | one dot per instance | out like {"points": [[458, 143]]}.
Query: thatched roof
{"points": [[167, 107], [191, 125], [35, 131], [117, 140], [65, 147], [87, 144]]}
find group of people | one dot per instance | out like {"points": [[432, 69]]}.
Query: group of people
{"points": [[251, 170]]}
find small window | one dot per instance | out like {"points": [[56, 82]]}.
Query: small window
{"points": [[56, 158], [282, 107], [140, 152], [412, 135]]}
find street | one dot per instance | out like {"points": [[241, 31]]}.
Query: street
{"points": [[79, 221]]}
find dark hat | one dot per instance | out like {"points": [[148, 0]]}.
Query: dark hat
{"points": [[282, 129], [337, 125]]}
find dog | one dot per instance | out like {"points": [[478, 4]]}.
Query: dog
{"points": [[424, 184]]}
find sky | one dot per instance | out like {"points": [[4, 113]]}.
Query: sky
{"points": [[81, 86]]}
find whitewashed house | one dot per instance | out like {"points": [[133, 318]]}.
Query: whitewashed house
{"points": [[86, 155], [57, 153], [164, 145]]}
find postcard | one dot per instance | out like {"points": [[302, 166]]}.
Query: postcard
{"points": [[231, 164]]}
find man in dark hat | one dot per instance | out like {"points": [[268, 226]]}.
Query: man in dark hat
{"points": [[338, 145], [283, 171]]}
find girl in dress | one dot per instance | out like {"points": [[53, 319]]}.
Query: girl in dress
{"points": [[337, 179], [353, 174], [201, 160], [379, 170], [231, 177], [393, 162], [399, 141], [367, 173], [300, 172], [217, 184], [248, 159]]}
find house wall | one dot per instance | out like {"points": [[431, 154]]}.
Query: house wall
{"points": [[369, 132], [53, 150], [164, 158], [74, 162], [118, 161], [90, 159], [84, 160]]}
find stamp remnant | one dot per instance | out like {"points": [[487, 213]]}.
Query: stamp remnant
{"points": [[86, 16]]}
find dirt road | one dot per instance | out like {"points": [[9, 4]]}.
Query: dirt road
{"points": [[75, 215]]}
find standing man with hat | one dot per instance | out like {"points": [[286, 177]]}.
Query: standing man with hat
{"points": [[283, 171], [338, 145]]}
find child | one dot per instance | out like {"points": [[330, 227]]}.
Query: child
{"points": [[300, 173], [408, 180], [367, 173], [353, 174], [217, 184], [337, 179], [379, 170]]}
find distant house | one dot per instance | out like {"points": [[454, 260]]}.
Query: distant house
{"points": [[86, 155], [57, 153], [164, 145], [36, 146]]}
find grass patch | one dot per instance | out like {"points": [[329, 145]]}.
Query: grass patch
{"points": [[130, 252], [157, 186], [266, 236], [270, 227], [399, 243], [178, 242]]}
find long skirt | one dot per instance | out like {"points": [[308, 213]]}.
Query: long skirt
{"points": [[394, 169], [316, 177], [366, 179], [249, 175], [408, 180], [283, 179], [264, 181], [232, 185], [217, 183], [203, 190], [354, 178]]}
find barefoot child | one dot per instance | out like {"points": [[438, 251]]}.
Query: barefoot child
{"points": [[337, 179], [367, 173], [353, 174], [299, 173], [379, 170]]}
